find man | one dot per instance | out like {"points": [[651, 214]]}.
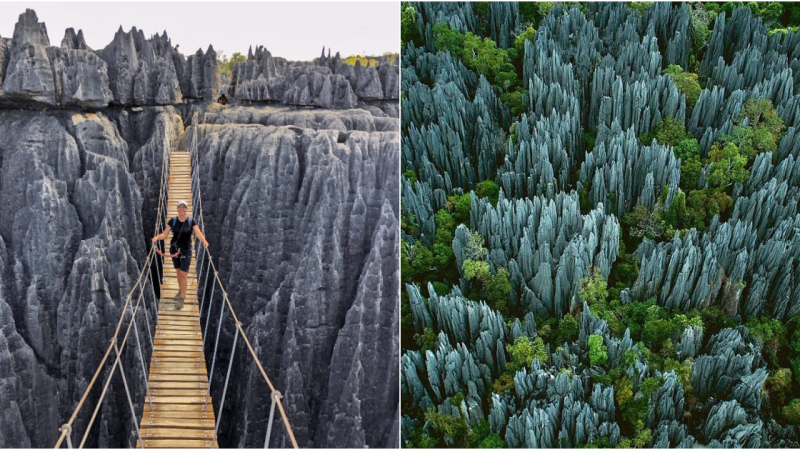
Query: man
{"points": [[180, 248]]}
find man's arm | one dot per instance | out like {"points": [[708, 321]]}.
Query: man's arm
{"points": [[200, 235], [163, 235]]}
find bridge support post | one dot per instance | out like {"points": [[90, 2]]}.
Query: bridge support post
{"points": [[276, 397]]}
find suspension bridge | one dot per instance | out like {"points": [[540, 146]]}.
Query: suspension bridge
{"points": [[176, 410]]}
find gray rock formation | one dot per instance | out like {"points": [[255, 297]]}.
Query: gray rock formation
{"points": [[329, 272], [547, 247], [327, 82], [131, 70], [28, 76]]}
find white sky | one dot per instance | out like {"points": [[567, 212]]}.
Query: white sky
{"points": [[296, 31]]}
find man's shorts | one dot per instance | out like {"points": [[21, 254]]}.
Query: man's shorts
{"points": [[183, 260]]}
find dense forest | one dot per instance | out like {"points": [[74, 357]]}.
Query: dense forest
{"points": [[600, 225]]}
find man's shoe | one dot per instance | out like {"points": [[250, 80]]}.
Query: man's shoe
{"points": [[177, 296], [179, 305]]}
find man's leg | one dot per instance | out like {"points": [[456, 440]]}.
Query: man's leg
{"points": [[182, 281]]}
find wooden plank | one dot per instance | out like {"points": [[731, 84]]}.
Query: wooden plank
{"points": [[178, 333], [177, 377], [177, 443], [198, 423], [177, 432], [179, 370], [181, 400], [158, 416], [179, 385], [169, 354], [157, 408], [202, 393]]}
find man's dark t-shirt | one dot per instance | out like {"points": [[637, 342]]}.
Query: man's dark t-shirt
{"points": [[181, 232]]}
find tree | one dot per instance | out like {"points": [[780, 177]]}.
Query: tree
{"points": [[623, 390], [411, 176], [593, 287], [760, 113], [519, 41], [416, 259], [657, 327], [640, 7], [642, 223], [226, 65], [452, 429], [675, 215], [484, 57], [687, 148], [567, 330], [727, 166], [474, 249], [523, 351], [686, 83], [488, 189], [750, 140], [760, 133], [427, 340], [700, 21], [598, 353], [691, 169], [496, 290], [772, 335], [460, 206], [703, 205], [624, 271], [791, 412], [492, 441], [533, 12], [443, 240], [448, 40], [409, 32], [516, 101], [420, 439], [779, 387], [476, 270], [667, 132]]}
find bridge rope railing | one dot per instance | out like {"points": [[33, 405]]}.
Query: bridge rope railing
{"points": [[205, 262], [115, 344]]}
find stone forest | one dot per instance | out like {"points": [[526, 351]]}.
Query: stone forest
{"points": [[600, 234], [299, 175]]}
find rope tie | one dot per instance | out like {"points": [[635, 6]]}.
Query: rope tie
{"points": [[66, 429], [276, 398]]}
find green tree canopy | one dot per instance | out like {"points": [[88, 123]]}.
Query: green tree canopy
{"points": [[667, 132], [598, 353], [686, 83], [225, 65], [593, 287], [727, 165], [488, 189], [409, 31], [691, 169], [523, 351]]}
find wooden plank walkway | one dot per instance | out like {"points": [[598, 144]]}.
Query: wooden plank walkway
{"points": [[182, 415]]}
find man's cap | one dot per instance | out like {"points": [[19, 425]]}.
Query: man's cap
{"points": [[183, 203]]}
